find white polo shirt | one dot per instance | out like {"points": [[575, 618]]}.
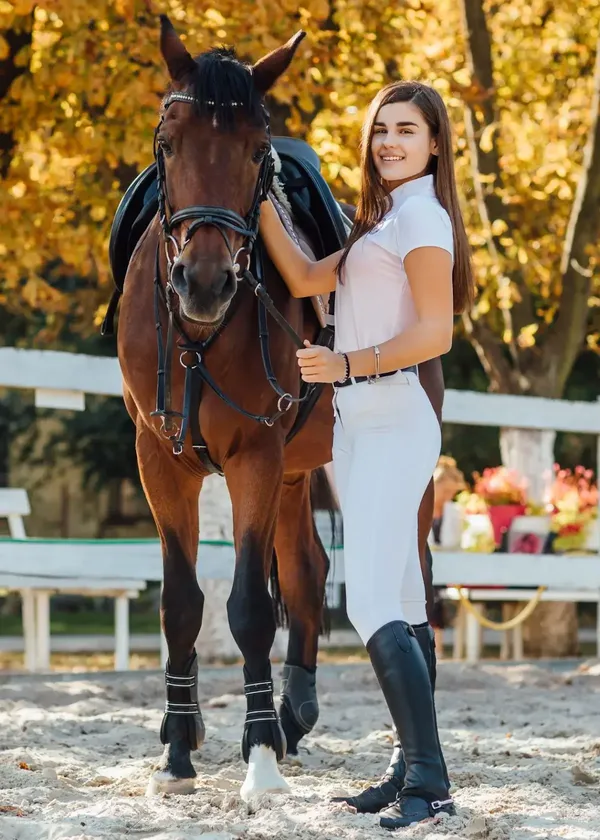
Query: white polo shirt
{"points": [[374, 303]]}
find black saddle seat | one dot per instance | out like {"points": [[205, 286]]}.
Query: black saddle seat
{"points": [[312, 202]]}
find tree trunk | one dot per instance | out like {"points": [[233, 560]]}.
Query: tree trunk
{"points": [[531, 453], [552, 629], [215, 640]]}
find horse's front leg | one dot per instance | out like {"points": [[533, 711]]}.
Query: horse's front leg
{"points": [[254, 479], [172, 493], [302, 563]]}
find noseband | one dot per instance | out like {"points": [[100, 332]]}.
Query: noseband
{"points": [[175, 424], [202, 215]]}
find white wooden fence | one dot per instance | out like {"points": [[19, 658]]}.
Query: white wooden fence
{"points": [[61, 380]]}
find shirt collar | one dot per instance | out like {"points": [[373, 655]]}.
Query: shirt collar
{"points": [[418, 186]]}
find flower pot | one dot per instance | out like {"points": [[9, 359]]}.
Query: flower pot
{"points": [[501, 517], [452, 526], [528, 534]]}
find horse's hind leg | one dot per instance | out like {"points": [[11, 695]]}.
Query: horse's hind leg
{"points": [[172, 493], [254, 481], [302, 564]]}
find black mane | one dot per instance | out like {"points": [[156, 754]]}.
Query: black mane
{"points": [[221, 78]]}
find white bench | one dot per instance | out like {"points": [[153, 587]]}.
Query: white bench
{"points": [[468, 632], [37, 581], [574, 578], [53, 565]]}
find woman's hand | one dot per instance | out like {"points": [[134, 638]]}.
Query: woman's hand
{"points": [[320, 364]]}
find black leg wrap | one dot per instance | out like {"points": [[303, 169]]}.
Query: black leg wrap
{"points": [[299, 704], [182, 720], [262, 725]]}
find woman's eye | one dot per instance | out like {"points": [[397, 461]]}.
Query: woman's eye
{"points": [[165, 146]]}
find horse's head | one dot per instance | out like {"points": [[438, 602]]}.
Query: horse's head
{"points": [[214, 165]]}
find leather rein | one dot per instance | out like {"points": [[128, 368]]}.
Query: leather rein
{"points": [[175, 424]]}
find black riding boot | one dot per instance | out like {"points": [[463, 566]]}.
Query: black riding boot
{"points": [[402, 672], [376, 797]]}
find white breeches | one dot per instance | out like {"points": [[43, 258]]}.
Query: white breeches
{"points": [[386, 445]]}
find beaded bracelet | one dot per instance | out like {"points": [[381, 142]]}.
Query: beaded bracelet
{"points": [[347, 372]]}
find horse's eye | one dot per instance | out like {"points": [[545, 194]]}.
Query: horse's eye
{"points": [[258, 156], [165, 146]]}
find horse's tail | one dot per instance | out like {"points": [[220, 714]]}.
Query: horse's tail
{"points": [[322, 497], [279, 608]]}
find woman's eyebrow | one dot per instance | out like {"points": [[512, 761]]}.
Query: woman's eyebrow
{"points": [[401, 124]]}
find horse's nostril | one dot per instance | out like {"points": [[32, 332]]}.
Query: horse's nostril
{"points": [[178, 277], [224, 282]]}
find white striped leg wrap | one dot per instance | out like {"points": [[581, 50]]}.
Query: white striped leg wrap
{"points": [[267, 714], [184, 682]]}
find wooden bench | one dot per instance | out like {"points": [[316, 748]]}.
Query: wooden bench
{"points": [[122, 567], [37, 581], [468, 632]]}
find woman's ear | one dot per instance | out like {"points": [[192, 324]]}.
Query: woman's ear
{"points": [[433, 146]]}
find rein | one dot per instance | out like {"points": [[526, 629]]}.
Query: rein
{"points": [[175, 424]]}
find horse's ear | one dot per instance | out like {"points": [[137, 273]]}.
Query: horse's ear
{"points": [[178, 60], [272, 66]]}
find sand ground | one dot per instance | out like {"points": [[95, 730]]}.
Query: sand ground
{"points": [[522, 743]]}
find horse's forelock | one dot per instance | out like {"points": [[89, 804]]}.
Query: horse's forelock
{"points": [[221, 78]]}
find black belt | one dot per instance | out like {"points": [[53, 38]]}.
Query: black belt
{"points": [[354, 379]]}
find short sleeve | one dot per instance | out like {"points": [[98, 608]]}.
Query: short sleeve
{"points": [[420, 223]]}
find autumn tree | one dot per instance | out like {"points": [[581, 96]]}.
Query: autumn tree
{"points": [[80, 82]]}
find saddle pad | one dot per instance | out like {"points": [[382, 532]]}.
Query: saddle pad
{"points": [[320, 302]]}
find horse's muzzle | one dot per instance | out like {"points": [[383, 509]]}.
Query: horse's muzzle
{"points": [[204, 295]]}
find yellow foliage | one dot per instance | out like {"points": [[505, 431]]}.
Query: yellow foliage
{"points": [[83, 114]]}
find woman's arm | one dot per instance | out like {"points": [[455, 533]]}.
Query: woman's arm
{"points": [[429, 272], [303, 276]]}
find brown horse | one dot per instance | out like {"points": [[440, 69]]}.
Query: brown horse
{"points": [[214, 167]]}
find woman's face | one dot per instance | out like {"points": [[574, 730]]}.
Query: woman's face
{"points": [[402, 143]]}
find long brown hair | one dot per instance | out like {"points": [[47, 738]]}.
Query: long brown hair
{"points": [[375, 201]]}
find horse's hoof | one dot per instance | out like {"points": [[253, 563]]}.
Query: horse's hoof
{"points": [[162, 781], [263, 774], [292, 731]]}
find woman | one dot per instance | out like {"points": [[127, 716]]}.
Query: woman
{"points": [[403, 273]]}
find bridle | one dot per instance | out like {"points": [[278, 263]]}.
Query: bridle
{"points": [[202, 215], [174, 423]]}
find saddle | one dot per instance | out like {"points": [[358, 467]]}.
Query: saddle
{"points": [[318, 219]]}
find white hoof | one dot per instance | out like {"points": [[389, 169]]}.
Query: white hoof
{"points": [[263, 774], [163, 782]]}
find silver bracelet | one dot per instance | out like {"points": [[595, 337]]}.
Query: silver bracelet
{"points": [[377, 355]]}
